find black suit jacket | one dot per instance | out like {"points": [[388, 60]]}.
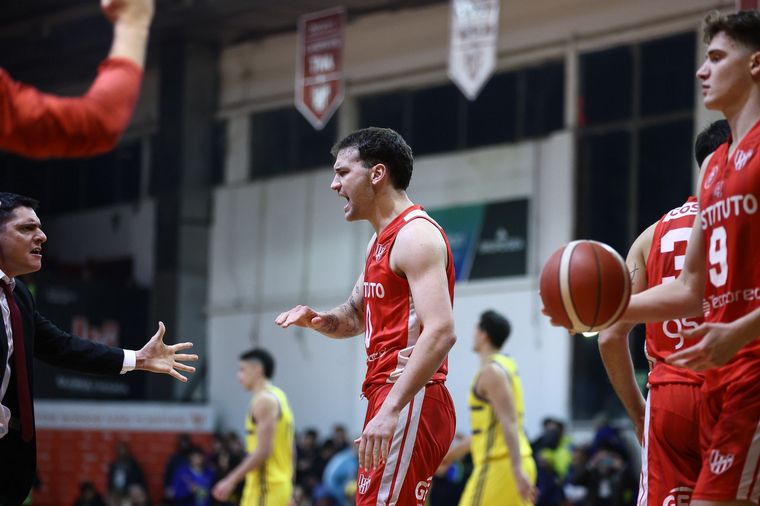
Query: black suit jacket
{"points": [[43, 340]]}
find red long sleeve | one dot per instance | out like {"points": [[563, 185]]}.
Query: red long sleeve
{"points": [[38, 125]]}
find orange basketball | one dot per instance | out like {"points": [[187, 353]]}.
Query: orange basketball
{"points": [[585, 285]]}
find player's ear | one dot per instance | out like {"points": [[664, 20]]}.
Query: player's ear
{"points": [[754, 65], [378, 172]]}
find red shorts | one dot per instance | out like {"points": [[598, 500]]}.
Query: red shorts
{"points": [[423, 436], [670, 453], [730, 418]]}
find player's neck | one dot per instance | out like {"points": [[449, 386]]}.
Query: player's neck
{"points": [[390, 204], [743, 117], [259, 386], [486, 353]]}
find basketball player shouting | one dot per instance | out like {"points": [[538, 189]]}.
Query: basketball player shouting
{"points": [[721, 269], [403, 304]]}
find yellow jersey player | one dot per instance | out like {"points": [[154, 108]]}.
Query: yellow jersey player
{"points": [[268, 467], [504, 471]]}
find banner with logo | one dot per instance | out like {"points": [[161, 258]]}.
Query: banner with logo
{"points": [[104, 312], [319, 65], [487, 240], [474, 37]]}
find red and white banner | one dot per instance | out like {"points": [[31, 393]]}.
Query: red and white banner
{"points": [[747, 5], [319, 72], [474, 37]]}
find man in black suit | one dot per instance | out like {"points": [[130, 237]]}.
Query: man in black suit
{"points": [[25, 334]]}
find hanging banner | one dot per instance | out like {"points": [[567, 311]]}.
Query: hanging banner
{"points": [[747, 5], [474, 35], [319, 67]]}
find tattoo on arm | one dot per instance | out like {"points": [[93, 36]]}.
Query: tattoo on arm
{"points": [[331, 323], [634, 271]]}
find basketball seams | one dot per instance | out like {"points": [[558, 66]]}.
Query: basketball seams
{"points": [[626, 283], [564, 279]]}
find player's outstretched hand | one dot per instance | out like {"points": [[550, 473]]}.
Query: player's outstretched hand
{"points": [[156, 356], [719, 344], [301, 316]]}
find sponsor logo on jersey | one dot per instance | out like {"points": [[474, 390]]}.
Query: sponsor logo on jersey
{"points": [[730, 207], [373, 290], [679, 496], [379, 251], [741, 158], [720, 463], [421, 491], [363, 485], [718, 190], [688, 209], [710, 177]]}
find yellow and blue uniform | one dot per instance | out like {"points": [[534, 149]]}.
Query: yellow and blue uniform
{"points": [[272, 483], [492, 480]]}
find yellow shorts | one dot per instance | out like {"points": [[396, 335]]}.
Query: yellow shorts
{"points": [[493, 483], [277, 494]]}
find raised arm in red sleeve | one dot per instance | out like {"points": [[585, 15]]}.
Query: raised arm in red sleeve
{"points": [[38, 125]]}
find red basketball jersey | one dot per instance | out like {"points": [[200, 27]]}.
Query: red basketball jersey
{"points": [[390, 321], [664, 263], [731, 225]]}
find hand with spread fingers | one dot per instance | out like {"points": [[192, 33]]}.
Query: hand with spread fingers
{"points": [[158, 357], [375, 441], [720, 342]]}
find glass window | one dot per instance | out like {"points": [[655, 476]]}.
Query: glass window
{"points": [[389, 110], [544, 99], [603, 193], [668, 74], [435, 119], [606, 86], [665, 169], [271, 138], [492, 117], [313, 146]]}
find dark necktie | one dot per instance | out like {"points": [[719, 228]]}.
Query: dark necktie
{"points": [[19, 364]]}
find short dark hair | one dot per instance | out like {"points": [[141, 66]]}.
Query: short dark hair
{"points": [[708, 140], [381, 145], [10, 201], [261, 356], [742, 26], [496, 327]]}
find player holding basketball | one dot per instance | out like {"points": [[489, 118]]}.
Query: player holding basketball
{"points": [[403, 303], [719, 267], [667, 424]]}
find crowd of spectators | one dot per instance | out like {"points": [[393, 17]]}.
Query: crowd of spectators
{"points": [[597, 473]]}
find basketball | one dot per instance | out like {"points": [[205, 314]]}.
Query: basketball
{"points": [[585, 286]]}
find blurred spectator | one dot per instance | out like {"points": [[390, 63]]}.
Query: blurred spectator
{"points": [[309, 464], [608, 478], [123, 472], [88, 495], [553, 453], [192, 481], [339, 471], [339, 439], [136, 496], [177, 459]]}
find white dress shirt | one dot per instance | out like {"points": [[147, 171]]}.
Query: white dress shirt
{"points": [[130, 360]]}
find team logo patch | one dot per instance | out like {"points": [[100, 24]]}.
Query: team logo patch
{"points": [[720, 463], [710, 177], [742, 157], [363, 484], [718, 190], [379, 251]]}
